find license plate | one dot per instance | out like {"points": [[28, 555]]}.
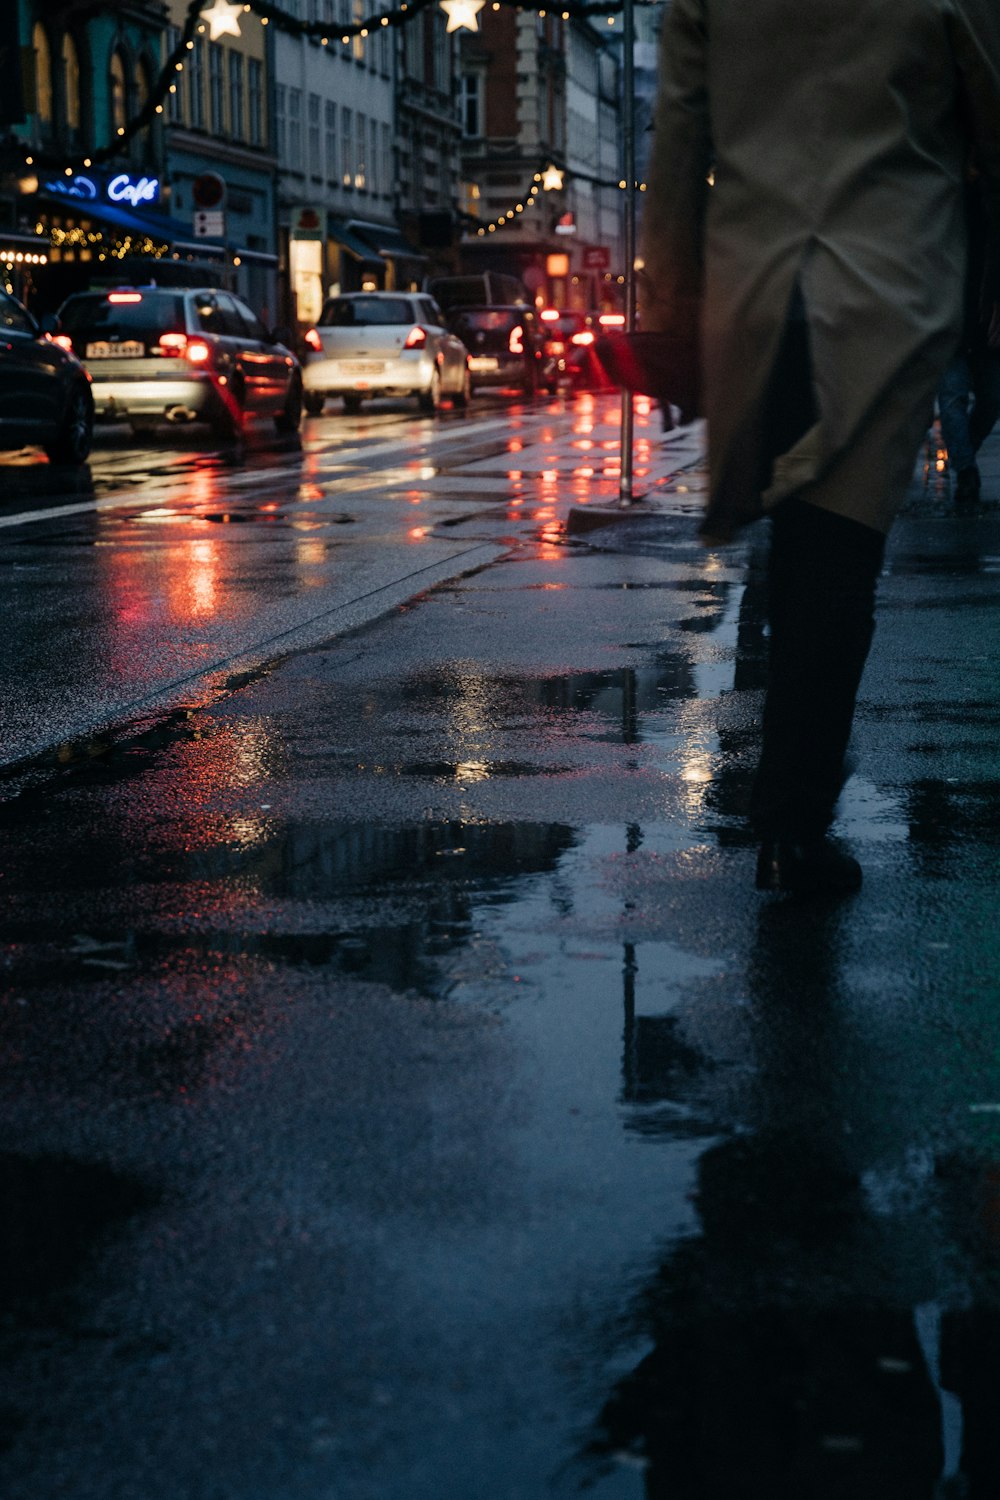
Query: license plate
{"points": [[130, 350], [483, 362], [362, 366]]}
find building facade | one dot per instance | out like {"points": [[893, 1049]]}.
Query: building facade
{"points": [[84, 71], [540, 91], [335, 141], [221, 165], [429, 138]]}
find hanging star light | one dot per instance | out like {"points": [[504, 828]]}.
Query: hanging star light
{"points": [[223, 19], [462, 13], [552, 180]]}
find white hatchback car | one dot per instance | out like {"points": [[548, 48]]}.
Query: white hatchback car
{"points": [[380, 344]]}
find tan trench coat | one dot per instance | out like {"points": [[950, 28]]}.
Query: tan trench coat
{"points": [[836, 133]]}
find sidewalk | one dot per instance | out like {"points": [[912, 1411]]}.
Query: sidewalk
{"points": [[671, 477]]}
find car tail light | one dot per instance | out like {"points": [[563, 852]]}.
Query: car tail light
{"points": [[516, 341], [612, 320], [313, 339], [124, 296], [63, 340], [198, 352], [416, 338], [554, 346], [586, 337], [171, 343], [550, 315]]}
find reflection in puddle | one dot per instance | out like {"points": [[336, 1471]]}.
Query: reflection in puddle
{"points": [[54, 1212]]}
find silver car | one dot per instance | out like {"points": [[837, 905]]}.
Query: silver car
{"points": [[383, 343], [178, 354]]}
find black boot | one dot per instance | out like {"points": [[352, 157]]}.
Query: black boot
{"points": [[822, 579], [815, 868], [967, 487]]}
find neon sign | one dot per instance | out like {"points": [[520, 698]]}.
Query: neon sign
{"points": [[133, 190], [73, 187], [121, 189]]}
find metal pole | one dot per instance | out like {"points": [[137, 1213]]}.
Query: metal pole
{"points": [[628, 172]]}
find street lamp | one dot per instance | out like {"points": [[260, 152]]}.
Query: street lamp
{"points": [[625, 495]]}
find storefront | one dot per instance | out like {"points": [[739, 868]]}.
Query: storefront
{"points": [[89, 221]]}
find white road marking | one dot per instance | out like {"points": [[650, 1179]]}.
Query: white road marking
{"points": [[340, 459]]}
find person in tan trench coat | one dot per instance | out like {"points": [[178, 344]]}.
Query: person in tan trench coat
{"points": [[804, 206]]}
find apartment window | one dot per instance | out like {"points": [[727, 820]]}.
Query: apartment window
{"points": [[71, 85], [386, 160], [175, 113], [295, 128], [358, 15], [118, 92], [375, 180], [216, 88], [347, 147], [315, 145], [360, 175], [196, 83], [281, 121], [470, 103], [255, 101], [236, 122], [43, 73], [330, 124]]}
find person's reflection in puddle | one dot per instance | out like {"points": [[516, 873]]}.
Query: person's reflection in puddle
{"points": [[787, 1358]]}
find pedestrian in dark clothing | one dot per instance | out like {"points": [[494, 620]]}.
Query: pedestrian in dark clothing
{"points": [[825, 264], [969, 394]]}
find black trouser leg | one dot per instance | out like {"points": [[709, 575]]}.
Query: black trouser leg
{"points": [[822, 576]]}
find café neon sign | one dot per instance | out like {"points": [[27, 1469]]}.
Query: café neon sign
{"points": [[121, 189]]}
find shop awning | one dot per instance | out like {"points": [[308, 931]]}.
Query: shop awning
{"points": [[158, 227], [386, 239], [353, 243]]}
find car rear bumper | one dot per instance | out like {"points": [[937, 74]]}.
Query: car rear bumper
{"points": [[192, 395], [336, 375], [505, 371]]}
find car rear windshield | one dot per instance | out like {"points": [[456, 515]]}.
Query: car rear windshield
{"points": [[153, 314], [356, 312], [486, 319]]}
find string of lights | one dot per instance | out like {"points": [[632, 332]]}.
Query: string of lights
{"points": [[550, 179], [223, 18]]}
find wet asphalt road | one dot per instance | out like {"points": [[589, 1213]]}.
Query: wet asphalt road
{"points": [[404, 1092]]}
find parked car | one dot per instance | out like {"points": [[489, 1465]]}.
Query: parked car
{"points": [[181, 354], [380, 344], [45, 395], [504, 345]]}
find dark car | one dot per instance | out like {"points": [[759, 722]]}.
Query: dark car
{"points": [[181, 354], [44, 391], [504, 344], [569, 352]]}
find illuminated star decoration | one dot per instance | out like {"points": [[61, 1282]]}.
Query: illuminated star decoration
{"points": [[462, 13], [552, 180], [223, 19]]}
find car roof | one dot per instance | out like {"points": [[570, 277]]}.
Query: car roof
{"points": [[345, 296], [518, 307]]}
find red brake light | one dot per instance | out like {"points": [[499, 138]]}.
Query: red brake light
{"points": [[550, 315], [416, 338], [63, 340], [124, 296], [586, 337], [173, 343], [516, 341], [313, 339], [612, 320], [197, 352]]}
